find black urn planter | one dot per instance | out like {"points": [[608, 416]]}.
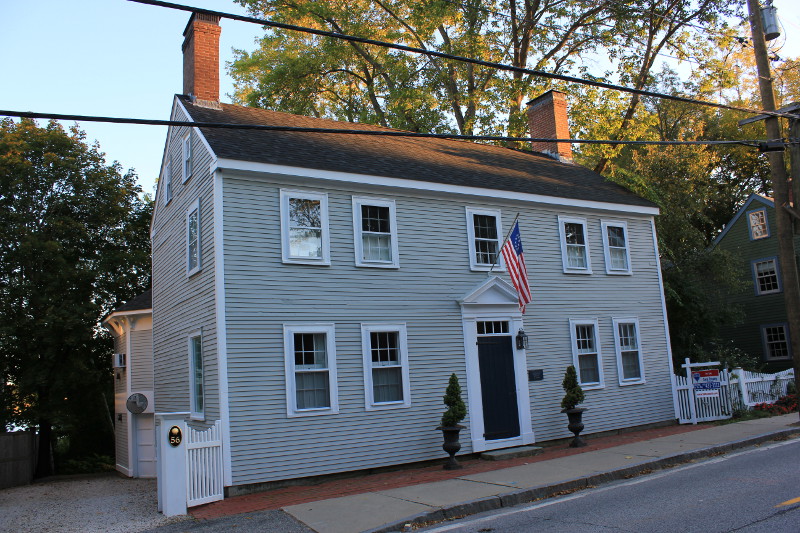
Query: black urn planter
{"points": [[451, 445], [575, 416]]}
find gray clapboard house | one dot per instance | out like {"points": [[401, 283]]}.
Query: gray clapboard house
{"points": [[314, 291]]}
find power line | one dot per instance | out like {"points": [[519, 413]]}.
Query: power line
{"points": [[379, 133], [443, 55]]}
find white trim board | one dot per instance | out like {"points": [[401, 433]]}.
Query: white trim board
{"points": [[248, 166]]}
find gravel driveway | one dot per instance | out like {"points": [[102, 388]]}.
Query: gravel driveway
{"points": [[108, 503]]}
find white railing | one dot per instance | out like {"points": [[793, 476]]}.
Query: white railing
{"points": [[204, 465], [753, 387]]}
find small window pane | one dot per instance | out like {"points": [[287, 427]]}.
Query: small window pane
{"points": [[589, 371], [377, 247], [310, 351], [576, 256], [384, 347], [584, 337], [304, 213], [574, 233], [387, 384], [375, 219], [616, 236], [312, 390], [305, 242]]}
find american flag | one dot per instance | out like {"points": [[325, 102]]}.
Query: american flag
{"points": [[515, 261]]}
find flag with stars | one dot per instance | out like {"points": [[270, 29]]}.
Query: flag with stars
{"points": [[515, 262]]}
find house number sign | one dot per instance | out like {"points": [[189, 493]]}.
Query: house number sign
{"points": [[174, 437]]}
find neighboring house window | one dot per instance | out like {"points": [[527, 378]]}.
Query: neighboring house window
{"points": [[765, 274], [586, 353], [311, 386], [759, 229], [304, 227], [484, 234], [617, 252], [375, 231], [629, 352], [196, 375], [193, 250], [776, 341], [167, 177], [187, 156], [385, 351], [574, 246]]}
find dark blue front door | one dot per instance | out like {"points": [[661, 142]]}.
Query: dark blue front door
{"points": [[498, 387]]}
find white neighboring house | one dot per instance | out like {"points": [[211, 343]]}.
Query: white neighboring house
{"points": [[131, 324]]}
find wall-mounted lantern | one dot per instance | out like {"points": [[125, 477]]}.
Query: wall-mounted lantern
{"points": [[522, 340]]}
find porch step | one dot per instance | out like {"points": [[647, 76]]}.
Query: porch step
{"points": [[511, 453]]}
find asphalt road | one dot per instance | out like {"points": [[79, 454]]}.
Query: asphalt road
{"points": [[757, 490]]}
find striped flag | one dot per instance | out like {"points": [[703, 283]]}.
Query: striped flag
{"points": [[515, 262]]}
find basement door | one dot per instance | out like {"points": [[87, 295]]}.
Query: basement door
{"points": [[498, 381], [145, 451]]}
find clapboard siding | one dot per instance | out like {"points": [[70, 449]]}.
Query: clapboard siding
{"points": [[142, 360], [262, 294], [181, 304], [120, 393]]}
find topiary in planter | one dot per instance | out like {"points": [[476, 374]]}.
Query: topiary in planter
{"points": [[456, 410], [574, 393]]}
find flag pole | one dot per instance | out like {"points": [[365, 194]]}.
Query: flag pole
{"points": [[500, 249]]}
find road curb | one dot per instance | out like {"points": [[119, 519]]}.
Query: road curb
{"points": [[510, 499]]}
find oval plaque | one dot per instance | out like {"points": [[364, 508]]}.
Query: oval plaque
{"points": [[137, 403], [174, 437]]}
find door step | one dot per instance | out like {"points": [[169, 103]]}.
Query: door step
{"points": [[511, 453]]}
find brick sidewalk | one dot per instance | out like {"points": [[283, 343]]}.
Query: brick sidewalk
{"points": [[335, 488]]}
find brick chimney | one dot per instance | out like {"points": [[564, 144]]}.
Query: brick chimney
{"points": [[201, 59], [547, 119]]}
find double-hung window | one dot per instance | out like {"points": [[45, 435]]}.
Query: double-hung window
{"points": [[757, 223], [310, 351], [167, 183], [574, 245], [586, 354], [193, 237], [375, 230], [776, 341], [385, 352], [196, 375], [484, 234], [304, 228], [188, 162], [765, 276], [629, 351], [617, 251]]}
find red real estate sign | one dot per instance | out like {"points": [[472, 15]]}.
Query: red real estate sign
{"points": [[706, 383]]}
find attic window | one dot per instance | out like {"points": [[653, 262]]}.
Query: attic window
{"points": [[187, 157], [758, 224]]}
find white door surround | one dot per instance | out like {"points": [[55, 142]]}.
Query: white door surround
{"points": [[493, 300]]}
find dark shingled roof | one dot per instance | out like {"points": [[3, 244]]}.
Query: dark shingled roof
{"points": [[443, 161], [137, 303]]}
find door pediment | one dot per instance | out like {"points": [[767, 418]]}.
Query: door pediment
{"points": [[492, 292]]}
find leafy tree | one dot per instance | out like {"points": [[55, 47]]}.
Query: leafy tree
{"points": [[74, 242]]}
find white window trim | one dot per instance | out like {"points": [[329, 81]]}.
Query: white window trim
{"points": [[188, 162], [167, 177], [358, 201], [369, 402], [286, 194], [750, 225], [605, 224], [562, 238], [575, 361], [288, 347], [196, 414], [473, 264], [618, 348], [195, 206], [754, 271], [765, 344]]}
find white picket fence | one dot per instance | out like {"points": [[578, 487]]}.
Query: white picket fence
{"points": [[740, 389], [204, 465]]}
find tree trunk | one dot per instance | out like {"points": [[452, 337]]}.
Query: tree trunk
{"points": [[44, 460]]}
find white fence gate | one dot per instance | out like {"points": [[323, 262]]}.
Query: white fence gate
{"points": [[204, 465], [740, 389]]}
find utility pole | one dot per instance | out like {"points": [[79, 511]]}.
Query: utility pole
{"points": [[780, 187]]}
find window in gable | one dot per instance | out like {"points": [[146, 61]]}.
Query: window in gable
{"points": [[375, 230], [304, 227], [483, 232], [188, 162], [586, 354], [574, 245], [193, 235], [167, 177], [617, 251], [757, 220], [766, 277]]}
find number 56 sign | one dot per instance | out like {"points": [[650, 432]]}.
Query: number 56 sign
{"points": [[174, 436]]}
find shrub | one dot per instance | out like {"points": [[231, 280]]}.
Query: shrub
{"points": [[574, 393], [456, 410], [782, 406]]}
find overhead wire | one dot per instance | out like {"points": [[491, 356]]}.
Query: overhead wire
{"points": [[443, 55]]}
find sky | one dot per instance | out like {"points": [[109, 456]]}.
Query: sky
{"points": [[122, 59]]}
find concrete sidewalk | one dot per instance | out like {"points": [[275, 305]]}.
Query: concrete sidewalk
{"points": [[386, 502]]}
